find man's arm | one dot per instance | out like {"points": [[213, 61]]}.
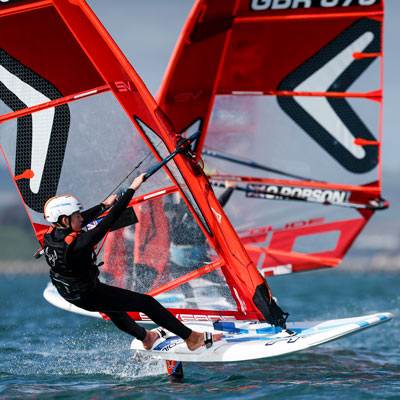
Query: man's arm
{"points": [[91, 214], [92, 237]]}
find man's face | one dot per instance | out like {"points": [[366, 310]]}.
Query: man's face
{"points": [[76, 221]]}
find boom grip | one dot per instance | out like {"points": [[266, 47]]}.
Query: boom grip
{"points": [[158, 166], [181, 148]]}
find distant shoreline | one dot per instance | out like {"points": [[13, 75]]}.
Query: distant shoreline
{"points": [[21, 267], [377, 263]]}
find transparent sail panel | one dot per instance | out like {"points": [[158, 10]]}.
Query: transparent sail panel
{"points": [[98, 151], [166, 254], [206, 293], [163, 151], [280, 214], [262, 132]]}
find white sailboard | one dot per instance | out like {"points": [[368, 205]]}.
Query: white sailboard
{"points": [[254, 340]]}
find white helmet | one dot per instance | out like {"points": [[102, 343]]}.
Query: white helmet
{"points": [[61, 205]]}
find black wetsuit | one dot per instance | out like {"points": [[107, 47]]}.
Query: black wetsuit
{"points": [[97, 296]]}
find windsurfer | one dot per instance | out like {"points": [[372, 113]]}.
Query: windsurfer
{"points": [[69, 251]]}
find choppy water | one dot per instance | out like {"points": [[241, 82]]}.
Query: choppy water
{"points": [[48, 353]]}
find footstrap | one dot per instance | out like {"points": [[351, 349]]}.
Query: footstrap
{"points": [[160, 332], [208, 339]]}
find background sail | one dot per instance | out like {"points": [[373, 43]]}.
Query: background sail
{"points": [[77, 119], [289, 100]]}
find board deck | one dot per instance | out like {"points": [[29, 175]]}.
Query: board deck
{"points": [[253, 340]]}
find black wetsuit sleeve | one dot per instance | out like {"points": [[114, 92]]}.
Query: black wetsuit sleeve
{"points": [[91, 238], [223, 199], [91, 214]]}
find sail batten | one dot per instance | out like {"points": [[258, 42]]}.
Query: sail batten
{"points": [[186, 278], [372, 188], [52, 103], [372, 95]]}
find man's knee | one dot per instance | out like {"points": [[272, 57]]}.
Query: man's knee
{"points": [[149, 301]]}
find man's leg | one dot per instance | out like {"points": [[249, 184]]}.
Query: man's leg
{"points": [[110, 299], [124, 322]]}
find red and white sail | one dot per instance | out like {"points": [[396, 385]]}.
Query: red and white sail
{"points": [[76, 119], [288, 95]]}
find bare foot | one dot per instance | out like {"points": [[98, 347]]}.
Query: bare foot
{"points": [[149, 340], [196, 340]]}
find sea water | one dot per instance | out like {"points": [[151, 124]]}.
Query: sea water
{"points": [[47, 353]]}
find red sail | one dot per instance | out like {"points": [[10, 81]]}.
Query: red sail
{"points": [[288, 96], [78, 116]]}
